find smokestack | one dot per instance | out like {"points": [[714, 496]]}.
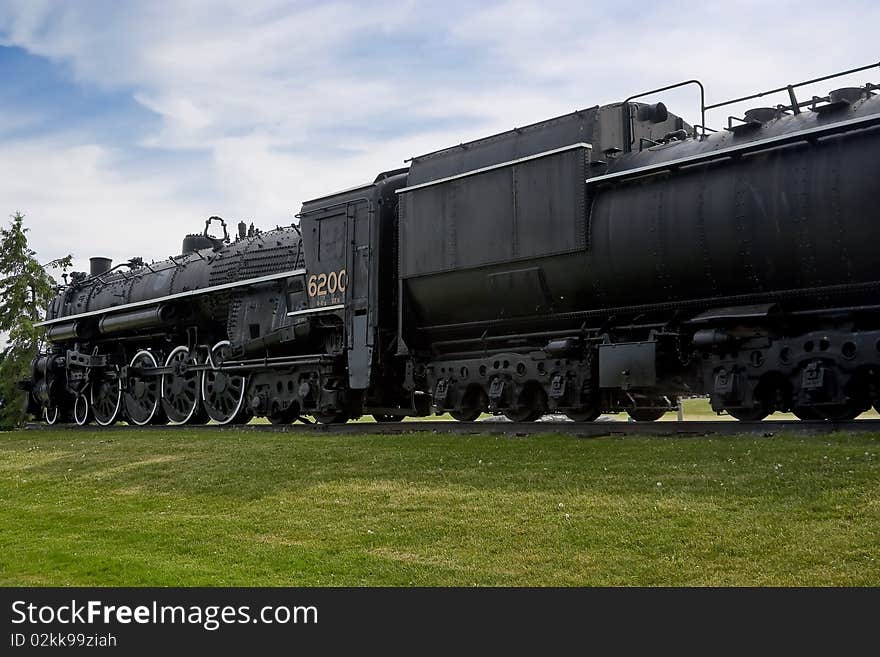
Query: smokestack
{"points": [[98, 266]]}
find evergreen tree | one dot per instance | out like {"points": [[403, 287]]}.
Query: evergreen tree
{"points": [[25, 290]]}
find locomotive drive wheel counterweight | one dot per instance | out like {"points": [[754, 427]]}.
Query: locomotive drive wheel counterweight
{"points": [[144, 392], [223, 391], [180, 390]]}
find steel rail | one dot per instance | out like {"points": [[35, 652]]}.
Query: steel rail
{"points": [[687, 428]]}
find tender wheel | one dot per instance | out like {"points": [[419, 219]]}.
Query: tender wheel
{"points": [[51, 414], [180, 390], [807, 414], [82, 410], [523, 414], [388, 418], [748, 414], [531, 405], [585, 415], [144, 392], [646, 414], [223, 392], [466, 414], [106, 399], [838, 413], [843, 412], [472, 405]]}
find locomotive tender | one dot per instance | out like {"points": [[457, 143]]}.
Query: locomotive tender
{"points": [[605, 261]]}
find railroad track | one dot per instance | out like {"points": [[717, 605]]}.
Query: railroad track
{"points": [[582, 429]]}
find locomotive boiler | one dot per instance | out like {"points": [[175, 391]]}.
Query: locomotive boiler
{"points": [[605, 261]]}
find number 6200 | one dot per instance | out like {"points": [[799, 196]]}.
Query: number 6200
{"points": [[322, 284]]}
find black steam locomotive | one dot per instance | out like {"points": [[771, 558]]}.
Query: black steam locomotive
{"points": [[605, 261]]}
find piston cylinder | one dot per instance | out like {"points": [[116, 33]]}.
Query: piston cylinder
{"points": [[136, 320], [66, 331]]}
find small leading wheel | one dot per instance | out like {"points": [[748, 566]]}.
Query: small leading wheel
{"points": [[179, 390], [51, 414], [144, 392], [646, 414], [106, 398], [387, 418], [82, 410], [223, 391]]}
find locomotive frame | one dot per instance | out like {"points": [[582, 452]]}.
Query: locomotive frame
{"points": [[608, 260]]}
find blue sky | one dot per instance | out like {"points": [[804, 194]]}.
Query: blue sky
{"points": [[124, 124]]}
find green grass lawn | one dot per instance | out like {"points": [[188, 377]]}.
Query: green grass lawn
{"points": [[197, 507]]}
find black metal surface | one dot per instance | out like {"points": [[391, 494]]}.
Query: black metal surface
{"points": [[471, 234], [251, 257], [99, 265], [790, 217], [136, 320], [778, 208]]}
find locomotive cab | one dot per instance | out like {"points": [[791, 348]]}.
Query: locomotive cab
{"points": [[350, 242]]}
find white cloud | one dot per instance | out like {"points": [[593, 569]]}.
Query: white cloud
{"points": [[265, 104], [77, 202]]}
